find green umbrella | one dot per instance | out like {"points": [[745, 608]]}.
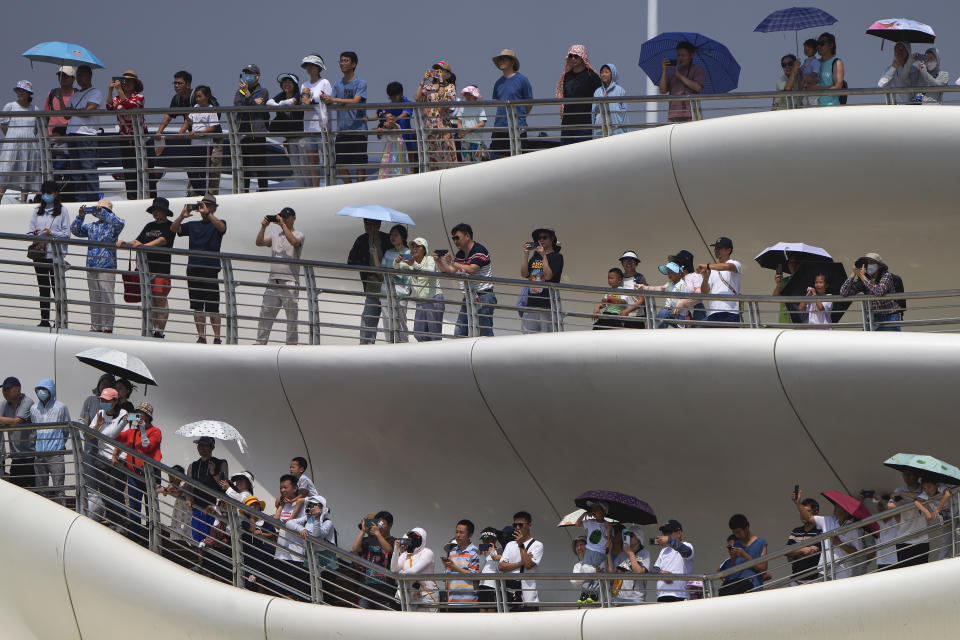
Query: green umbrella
{"points": [[928, 467]]}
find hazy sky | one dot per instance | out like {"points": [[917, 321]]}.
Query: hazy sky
{"points": [[213, 40]]}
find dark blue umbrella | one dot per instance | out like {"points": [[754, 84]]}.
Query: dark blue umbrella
{"points": [[623, 508], [795, 19], [722, 70]]}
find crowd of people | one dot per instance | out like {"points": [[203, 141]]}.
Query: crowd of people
{"points": [[276, 559], [541, 261], [455, 134]]}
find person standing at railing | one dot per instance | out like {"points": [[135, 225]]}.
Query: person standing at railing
{"points": [[50, 443], [809, 72], [692, 279], [901, 74], [818, 312], [129, 96], [832, 70], [157, 234], [634, 314], [20, 148], [545, 265], [289, 553], [463, 557], [105, 482], [722, 278], [205, 471], [428, 317], [290, 125], [58, 99], [472, 259], [411, 556], [183, 98], [49, 220], [932, 504], [489, 559], [201, 125], [315, 521], [871, 276], [687, 79], [252, 128], [472, 121], [805, 560], [522, 555], [15, 409], [375, 544], [101, 261], [747, 547], [314, 124], [677, 308], [676, 556], [82, 138], [637, 561], [437, 86], [617, 110], [368, 250], [395, 316], [788, 80], [284, 277], [837, 547], [350, 145], [607, 312], [145, 438], [512, 85], [931, 74], [203, 273], [402, 115], [393, 158], [579, 80]]}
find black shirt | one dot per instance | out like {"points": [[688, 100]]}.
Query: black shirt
{"points": [[579, 85], [287, 121], [807, 563], [537, 297], [199, 471], [158, 263], [179, 102]]}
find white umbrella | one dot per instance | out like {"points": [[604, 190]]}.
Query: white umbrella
{"points": [[571, 518], [117, 363], [781, 252], [213, 429]]}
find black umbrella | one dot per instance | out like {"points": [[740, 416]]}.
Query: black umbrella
{"points": [[807, 273], [622, 507]]}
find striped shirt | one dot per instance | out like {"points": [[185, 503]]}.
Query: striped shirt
{"points": [[480, 257], [464, 591]]}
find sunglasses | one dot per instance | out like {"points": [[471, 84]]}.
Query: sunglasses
{"points": [[572, 56], [519, 525], [786, 64]]}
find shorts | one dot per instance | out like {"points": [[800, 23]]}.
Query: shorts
{"points": [[311, 144], [160, 286], [595, 558], [486, 594], [204, 295], [350, 148]]}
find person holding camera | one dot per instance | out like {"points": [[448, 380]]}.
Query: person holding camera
{"points": [[871, 276], [541, 262], [489, 561], [375, 544], [284, 276], [687, 78], [637, 561], [203, 285], [437, 85], [676, 556], [411, 556], [428, 317], [522, 555], [472, 259], [101, 261]]}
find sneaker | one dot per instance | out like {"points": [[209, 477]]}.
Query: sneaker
{"points": [[159, 334], [217, 341], [201, 340]]}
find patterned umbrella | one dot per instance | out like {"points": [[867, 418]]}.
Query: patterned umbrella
{"points": [[213, 429], [897, 29], [927, 466], [722, 69], [795, 19], [622, 507]]}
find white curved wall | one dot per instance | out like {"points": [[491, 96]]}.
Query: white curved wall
{"points": [[86, 581]]}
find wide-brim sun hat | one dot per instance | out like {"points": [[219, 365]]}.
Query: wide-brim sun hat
{"points": [[630, 254], [670, 266], [536, 234], [873, 256], [105, 204], [162, 204], [315, 59], [292, 77], [254, 501], [508, 53], [130, 74]]}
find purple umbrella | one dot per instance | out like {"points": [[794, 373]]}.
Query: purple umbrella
{"points": [[622, 507]]}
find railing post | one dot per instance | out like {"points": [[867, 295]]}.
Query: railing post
{"points": [[421, 135], [695, 110], [470, 297], [46, 148], [330, 156], [80, 495], [556, 310], [606, 594], [866, 317], [606, 128], [513, 130], [313, 570], [502, 599], [708, 587], [954, 516], [313, 304], [230, 294], [140, 155], [153, 508], [146, 304], [236, 547], [60, 277], [402, 590], [233, 139], [390, 323], [650, 308]]}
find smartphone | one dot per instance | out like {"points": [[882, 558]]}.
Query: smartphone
{"points": [[193, 206], [444, 558], [273, 218], [485, 546], [530, 245], [672, 62], [441, 252], [133, 417], [118, 78], [779, 269], [796, 491], [223, 475]]}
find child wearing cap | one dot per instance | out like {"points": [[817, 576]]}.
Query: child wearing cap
{"points": [[472, 120], [673, 308]]}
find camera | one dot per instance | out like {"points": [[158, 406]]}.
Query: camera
{"points": [[861, 262], [530, 245], [273, 218], [485, 546], [368, 522], [441, 252], [90, 208]]}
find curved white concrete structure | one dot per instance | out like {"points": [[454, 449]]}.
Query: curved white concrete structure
{"points": [[75, 592]]}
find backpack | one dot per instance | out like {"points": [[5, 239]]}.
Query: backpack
{"points": [[843, 99], [898, 287]]}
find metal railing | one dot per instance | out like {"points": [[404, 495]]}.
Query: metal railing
{"points": [[328, 303], [237, 156], [205, 530]]}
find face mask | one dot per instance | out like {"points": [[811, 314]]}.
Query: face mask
{"points": [[43, 395], [872, 269], [47, 198], [249, 78], [106, 406]]}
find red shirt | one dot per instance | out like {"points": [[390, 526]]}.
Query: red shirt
{"points": [[126, 122], [131, 438]]}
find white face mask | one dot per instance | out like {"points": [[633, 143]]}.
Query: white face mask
{"points": [[872, 269]]}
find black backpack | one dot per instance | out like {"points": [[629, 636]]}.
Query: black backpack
{"points": [[843, 99], [898, 287]]}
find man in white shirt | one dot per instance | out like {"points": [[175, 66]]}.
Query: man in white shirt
{"points": [[314, 124], [675, 557], [82, 131], [722, 278], [280, 291], [523, 554]]}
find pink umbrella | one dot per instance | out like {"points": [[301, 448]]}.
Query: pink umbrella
{"points": [[852, 506], [897, 29]]}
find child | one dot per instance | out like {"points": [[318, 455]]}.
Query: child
{"points": [[608, 312], [240, 486], [180, 519], [673, 308], [472, 120], [402, 114], [394, 156], [298, 469], [818, 312], [201, 125], [598, 534]]}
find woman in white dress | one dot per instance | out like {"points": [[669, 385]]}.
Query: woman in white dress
{"points": [[20, 148]]}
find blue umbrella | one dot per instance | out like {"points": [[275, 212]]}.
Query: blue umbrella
{"points": [[795, 19], [62, 53], [722, 70], [377, 212]]}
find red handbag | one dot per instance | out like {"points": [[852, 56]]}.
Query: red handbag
{"points": [[131, 284]]}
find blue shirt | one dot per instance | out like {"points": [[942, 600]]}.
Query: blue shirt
{"points": [[516, 87], [203, 237], [351, 119], [104, 229], [754, 550], [403, 123]]}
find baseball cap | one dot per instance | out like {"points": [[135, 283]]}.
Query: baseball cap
{"points": [[630, 254], [10, 381], [110, 394], [292, 77], [671, 526], [252, 68], [207, 440], [723, 242], [67, 70], [286, 212]]}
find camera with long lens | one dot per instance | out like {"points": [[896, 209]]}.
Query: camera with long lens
{"points": [[406, 544]]}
